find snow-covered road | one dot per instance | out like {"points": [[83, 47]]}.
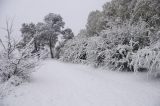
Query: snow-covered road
{"points": [[61, 84]]}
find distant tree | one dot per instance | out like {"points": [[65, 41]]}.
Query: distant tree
{"points": [[51, 29], [28, 31], [109, 10], [117, 13], [45, 33], [83, 32], [148, 10], [67, 34], [93, 24], [119, 8]]}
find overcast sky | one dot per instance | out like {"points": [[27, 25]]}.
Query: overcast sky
{"points": [[74, 12]]}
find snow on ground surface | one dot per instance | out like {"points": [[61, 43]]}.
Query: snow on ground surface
{"points": [[61, 84]]}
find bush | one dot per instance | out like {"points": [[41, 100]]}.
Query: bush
{"points": [[96, 51], [120, 58], [16, 67], [122, 34], [74, 50], [83, 50], [142, 60], [147, 59], [95, 47]]}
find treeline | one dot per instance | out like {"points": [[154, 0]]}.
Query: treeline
{"points": [[123, 36]]}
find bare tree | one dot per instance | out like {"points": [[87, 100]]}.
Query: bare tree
{"points": [[12, 65], [10, 46]]}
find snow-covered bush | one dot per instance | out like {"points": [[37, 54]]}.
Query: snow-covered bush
{"points": [[74, 50], [103, 59], [120, 58], [83, 50], [142, 60], [147, 59], [122, 34], [95, 51], [16, 66]]}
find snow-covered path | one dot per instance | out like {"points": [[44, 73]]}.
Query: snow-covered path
{"points": [[60, 84]]}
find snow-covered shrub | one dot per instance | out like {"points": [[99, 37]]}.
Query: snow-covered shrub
{"points": [[74, 50], [122, 34], [120, 58], [83, 50], [20, 67], [95, 51], [147, 59], [102, 59], [143, 59], [43, 53]]}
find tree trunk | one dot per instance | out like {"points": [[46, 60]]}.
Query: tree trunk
{"points": [[35, 46], [50, 46]]}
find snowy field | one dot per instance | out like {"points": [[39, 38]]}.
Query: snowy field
{"points": [[61, 84]]}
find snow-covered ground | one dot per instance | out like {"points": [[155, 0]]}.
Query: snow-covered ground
{"points": [[61, 84]]}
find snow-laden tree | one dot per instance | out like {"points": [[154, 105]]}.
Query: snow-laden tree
{"points": [[16, 65], [74, 50], [94, 23], [82, 49], [124, 33], [147, 59], [67, 34], [28, 31], [83, 32], [148, 11], [51, 29], [45, 33]]}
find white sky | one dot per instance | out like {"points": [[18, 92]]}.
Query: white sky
{"points": [[74, 12]]}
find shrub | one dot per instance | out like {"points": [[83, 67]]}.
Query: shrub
{"points": [[83, 50], [120, 58], [74, 50], [20, 67], [96, 45], [147, 59], [142, 60], [122, 34]]}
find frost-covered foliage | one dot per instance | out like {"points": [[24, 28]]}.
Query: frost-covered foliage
{"points": [[147, 59], [95, 51], [121, 37], [81, 49], [122, 34], [20, 65], [120, 58], [45, 34], [136, 17], [143, 59], [94, 23], [74, 50], [16, 68]]}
